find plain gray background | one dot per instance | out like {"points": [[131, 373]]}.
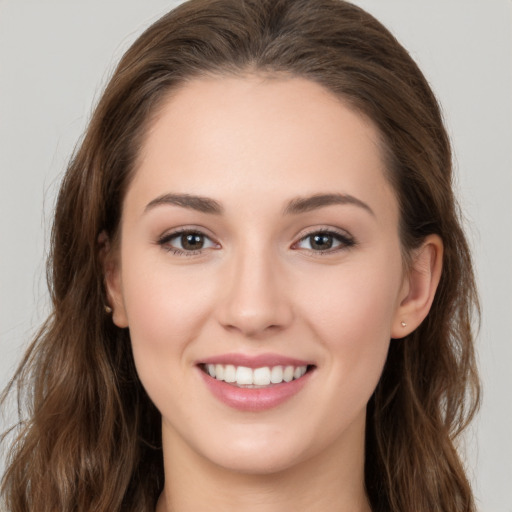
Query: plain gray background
{"points": [[55, 58]]}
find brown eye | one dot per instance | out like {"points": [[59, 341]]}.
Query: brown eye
{"points": [[186, 242], [192, 241], [325, 241], [321, 242]]}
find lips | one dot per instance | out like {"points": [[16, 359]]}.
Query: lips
{"points": [[254, 383]]}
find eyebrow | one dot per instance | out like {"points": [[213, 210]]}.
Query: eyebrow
{"points": [[199, 203], [306, 204], [294, 207]]}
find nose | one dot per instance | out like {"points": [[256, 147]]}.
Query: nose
{"points": [[254, 301]]}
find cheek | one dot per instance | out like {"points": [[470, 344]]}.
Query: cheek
{"points": [[158, 294], [354, 300], [351, 312], [166, 313], [166, 310]]}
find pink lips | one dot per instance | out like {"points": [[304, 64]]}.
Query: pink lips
{"points": [[254, 399]]}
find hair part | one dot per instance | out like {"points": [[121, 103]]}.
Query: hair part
{"points": [[90, 439]]}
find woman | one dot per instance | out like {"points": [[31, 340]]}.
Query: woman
{"points": [[262, 294]]}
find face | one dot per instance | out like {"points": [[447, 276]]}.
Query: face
{"points": [[259, 244]]}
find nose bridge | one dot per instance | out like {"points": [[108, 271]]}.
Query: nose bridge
{"points": [[255, 299]]}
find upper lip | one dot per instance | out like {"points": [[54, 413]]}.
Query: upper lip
{"points": [[255, 361]]}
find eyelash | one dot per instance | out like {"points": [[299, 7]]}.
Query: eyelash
{"points": [[165, 240], [345, 241]]}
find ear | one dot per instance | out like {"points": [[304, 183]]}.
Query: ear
{"points": [[112, 280], [419, 287]]}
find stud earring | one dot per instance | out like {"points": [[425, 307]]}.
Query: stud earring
{"points": [[403, 324], [108, 309]]}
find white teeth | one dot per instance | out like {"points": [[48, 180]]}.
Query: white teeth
{"points": [[264, 376], [276, 375], [230, 373], [219, 372], [288, 374], [261, 376], [244, 376]]}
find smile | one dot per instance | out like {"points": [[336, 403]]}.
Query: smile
{"points": [[242, 376], [252, 384]]}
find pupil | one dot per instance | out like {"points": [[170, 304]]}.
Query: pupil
{"points": [[192, 241], [321, 242]]}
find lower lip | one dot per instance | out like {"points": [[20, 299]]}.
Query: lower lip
{"points": [[254, 399]]}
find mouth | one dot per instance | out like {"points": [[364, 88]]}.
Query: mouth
{"points": [[255, 378], [255, 383]]}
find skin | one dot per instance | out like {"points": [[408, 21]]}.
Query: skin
{"points": [[253, 145]]}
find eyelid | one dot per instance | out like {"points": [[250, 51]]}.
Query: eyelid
{"points": [[164, 239], [346, 240]]}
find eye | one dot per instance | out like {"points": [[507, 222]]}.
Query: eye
{"points": [[187, 242], [324, 241]]}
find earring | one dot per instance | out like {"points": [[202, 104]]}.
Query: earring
{"points": [[108, 309], [403, 324]]}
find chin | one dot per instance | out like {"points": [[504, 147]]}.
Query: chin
{"points": [[263, 449], [257, 462]]}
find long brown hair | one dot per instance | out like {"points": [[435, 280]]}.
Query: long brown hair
{"points": [[90, 437]]}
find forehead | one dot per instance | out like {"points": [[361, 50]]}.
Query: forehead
{"points": [[271, 136]]}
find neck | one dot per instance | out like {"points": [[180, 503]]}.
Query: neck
{"points": [[332, 481]]}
